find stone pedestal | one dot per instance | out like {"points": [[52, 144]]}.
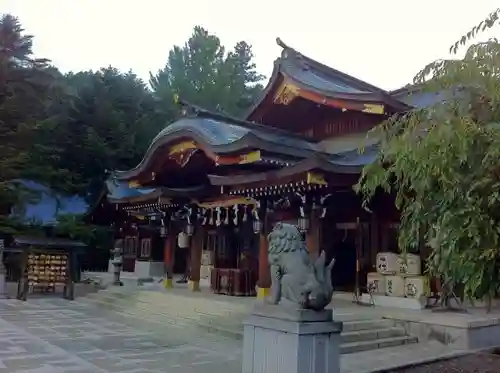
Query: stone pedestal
{"points": [[149, 268], [3, 286], [3, 272], [281, 340]]}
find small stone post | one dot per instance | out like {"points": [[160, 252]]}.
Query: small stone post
{"points": [[117, 266], [291, 341], [3, 272], [292, 331]]}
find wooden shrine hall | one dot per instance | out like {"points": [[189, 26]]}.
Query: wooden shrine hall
{"points": [[210, 187]]}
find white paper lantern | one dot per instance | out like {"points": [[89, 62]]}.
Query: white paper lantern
{"points": [[183, 240]]}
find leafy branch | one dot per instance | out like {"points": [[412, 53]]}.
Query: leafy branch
{"points": [[441, 163]]}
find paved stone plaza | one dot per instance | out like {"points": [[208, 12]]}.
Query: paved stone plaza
{"points": [[52, 335]]}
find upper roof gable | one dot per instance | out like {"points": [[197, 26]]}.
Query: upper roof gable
{"points": [[313, 76], [319, 76]]}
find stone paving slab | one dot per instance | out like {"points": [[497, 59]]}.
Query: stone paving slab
{"points": [[57, 336]]}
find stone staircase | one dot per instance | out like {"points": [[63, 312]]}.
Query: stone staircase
{"points": [[361, 332]]}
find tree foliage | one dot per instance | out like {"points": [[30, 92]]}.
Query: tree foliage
{"points": [[105, 121], [201, 72], [442, 164], [74, 227], [493, 19], [25, 85], [65, 130]]}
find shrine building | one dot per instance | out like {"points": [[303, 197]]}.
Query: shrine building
{"points": [[210, 187]]}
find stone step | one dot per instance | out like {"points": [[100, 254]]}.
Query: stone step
{"points": [[357, 325], [213, 306], [357, 336], [159, 323], [197, 306], [203, 309], [200, 303], [347, 348], [179, 305], [161, 318], [372, 334], [176, 305], [224, 320], [186, 316]]}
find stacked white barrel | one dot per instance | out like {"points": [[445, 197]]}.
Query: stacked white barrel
{"points": [[398, 276]]}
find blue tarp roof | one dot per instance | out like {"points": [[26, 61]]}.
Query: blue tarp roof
{"points": [[49, 205], [117, 190]]}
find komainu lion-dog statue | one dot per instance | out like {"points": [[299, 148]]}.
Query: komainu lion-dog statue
{"points": [[295, 278]]}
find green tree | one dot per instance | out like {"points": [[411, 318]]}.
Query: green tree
{"points": [[201, 72], [442, 164], [105, 122], [243, 79], [25, 84]]}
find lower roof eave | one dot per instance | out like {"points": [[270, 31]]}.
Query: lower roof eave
{"points": [[310, 165], [367, 98]]}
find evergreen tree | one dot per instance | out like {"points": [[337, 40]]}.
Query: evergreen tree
{"points": [[25, 85], [244, 80], [106, 123], [202, 73]]}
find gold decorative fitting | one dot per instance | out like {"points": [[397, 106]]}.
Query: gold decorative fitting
{"points": [[286, 93], [182, 147], [133, 184], [373, 109], [314, 178], [251, 157]]}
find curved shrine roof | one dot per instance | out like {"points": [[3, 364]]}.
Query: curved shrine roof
{"points": [[218, 134], [316, 77], [122, 192], [355, 158], [419, 97], [346, 162]]}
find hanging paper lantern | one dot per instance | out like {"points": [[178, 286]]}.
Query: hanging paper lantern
{"points": [[189, 229], [257, 226], [303, 224], [183, 240]]}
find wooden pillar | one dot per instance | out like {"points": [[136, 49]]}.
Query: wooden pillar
{"points": [[264, 280], [386, 235], [168, 258], [313, 235], [195, 248], [358, 242], [374, 241]]}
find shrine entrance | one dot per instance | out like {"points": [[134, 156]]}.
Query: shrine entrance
{"points": [[344, 270]]}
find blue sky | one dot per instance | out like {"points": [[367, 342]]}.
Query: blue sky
{"points": [[384, 42]]}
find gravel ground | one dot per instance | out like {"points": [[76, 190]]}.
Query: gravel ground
{"points": [[474, 363]]}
